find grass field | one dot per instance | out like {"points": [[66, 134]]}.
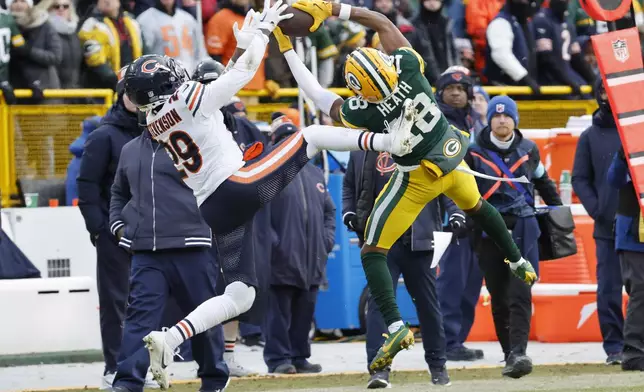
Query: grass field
{"points": [[560, 378]]}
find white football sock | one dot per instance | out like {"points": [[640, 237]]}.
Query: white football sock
{"points": [[395, 326], [325, 137], [237, 299]]}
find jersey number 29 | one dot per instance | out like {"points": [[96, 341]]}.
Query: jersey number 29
{"points": [[184, 150], [427, 117]]}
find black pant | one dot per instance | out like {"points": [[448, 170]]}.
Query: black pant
{"points": [[288, 323], [113, 282], [230, 209], [633, 276], [511, 298]]}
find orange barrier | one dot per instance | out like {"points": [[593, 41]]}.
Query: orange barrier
{"points": [[561, 313]]}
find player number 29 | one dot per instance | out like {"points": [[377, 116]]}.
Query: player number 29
{"points": [[183, 150], [428, 117]]}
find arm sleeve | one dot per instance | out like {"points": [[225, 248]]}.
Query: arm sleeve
{"points": [[120, 196], [617, 175], [500, 41], [94, 162], [449, 206], [349, 188], [583, 176], [329, 222], [322, 97], [542, 182], [212, 96], [52, 53]]}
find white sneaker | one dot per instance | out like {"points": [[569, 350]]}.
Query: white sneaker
{"points": [[149, 382], [235, 369], [161, 356], [107, 381], [401, 133]]}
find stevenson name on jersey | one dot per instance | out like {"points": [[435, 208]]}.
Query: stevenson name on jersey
{"points": [[195, 136]]}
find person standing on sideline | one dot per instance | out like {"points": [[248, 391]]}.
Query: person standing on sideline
{"points": [[501, 148], [595, 150], [97, 170], [367, 174], [155, 217], [303, 223], [629, 242], [460, 279]]}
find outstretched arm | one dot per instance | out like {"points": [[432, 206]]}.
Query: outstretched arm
{"points": [[390, 37], [328, 102]]}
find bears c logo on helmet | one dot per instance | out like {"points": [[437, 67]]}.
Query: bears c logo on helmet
{"points": [[150, 66]]}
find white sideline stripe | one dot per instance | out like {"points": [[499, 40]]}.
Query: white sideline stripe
{"points": [[270, 162], [637, 161], [625, 79], [631, 120]]}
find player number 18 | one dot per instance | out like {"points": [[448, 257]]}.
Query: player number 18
{"points": [[427, 119]]}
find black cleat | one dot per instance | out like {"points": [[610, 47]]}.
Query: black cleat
{"points": [[517, 366], [440, 376], [379, 379], [464, 354], [305, 366]]}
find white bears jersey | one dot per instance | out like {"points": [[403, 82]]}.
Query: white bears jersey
{"points": [[191, 127], [175, 36]]}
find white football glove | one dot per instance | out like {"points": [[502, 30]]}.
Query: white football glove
{"points": [[272, 15], [248, 30]]}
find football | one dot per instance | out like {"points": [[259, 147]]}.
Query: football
{"points": [[298, 25]]}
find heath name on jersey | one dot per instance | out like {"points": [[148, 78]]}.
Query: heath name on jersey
{"points": [[200, 146], [430, 126]]}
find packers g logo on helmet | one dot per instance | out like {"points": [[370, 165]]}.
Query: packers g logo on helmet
{"points": [[353, 82], [370, 74]]}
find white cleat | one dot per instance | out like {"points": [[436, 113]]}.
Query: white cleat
{"points": [[161, 356], [235, 369], [401, 134]]}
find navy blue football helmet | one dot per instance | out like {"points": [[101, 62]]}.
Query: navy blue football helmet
{"points": [[151, 79], [208, 71]]}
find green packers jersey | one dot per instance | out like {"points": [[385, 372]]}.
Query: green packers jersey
{"points": [[9, 37], [430, 125]]}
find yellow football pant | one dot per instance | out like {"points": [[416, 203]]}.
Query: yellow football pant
{"points": [[407, 193]]}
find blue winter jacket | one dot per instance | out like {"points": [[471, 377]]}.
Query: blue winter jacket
{"points": [[303, 219], [594, 154], [76, 148], [521, 159], [629, 211], [152, 203], [98, 165]]}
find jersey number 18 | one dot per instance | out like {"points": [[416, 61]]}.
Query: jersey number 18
{"points": [[427, 117]]}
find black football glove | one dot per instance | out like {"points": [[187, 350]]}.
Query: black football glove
{"points": [[458, 225], [36, 92], [7, 93], [350, 220]]}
